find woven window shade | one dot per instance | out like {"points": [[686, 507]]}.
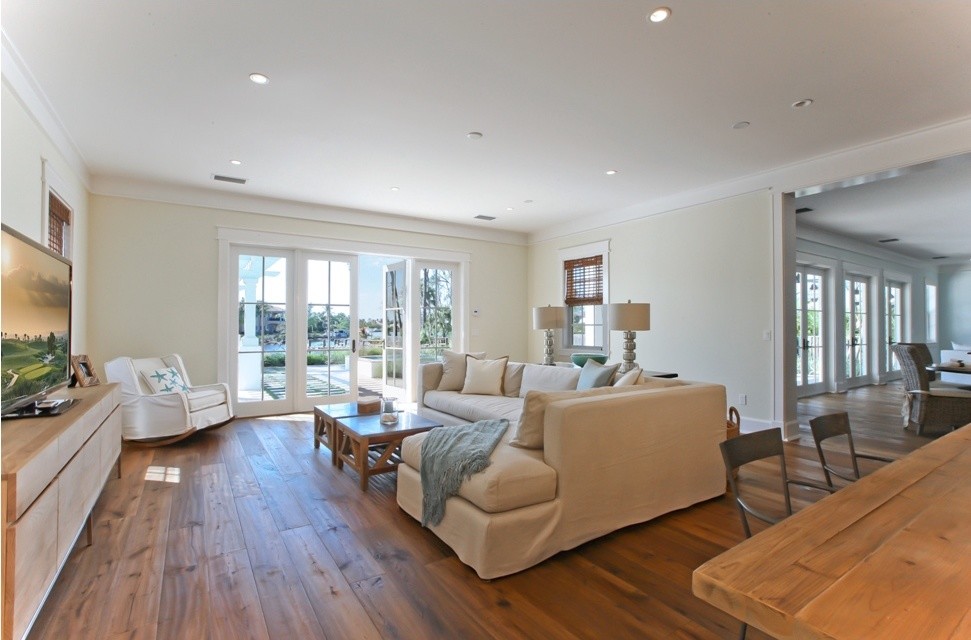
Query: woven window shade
{"points": [[584, 281], [59, 216]]}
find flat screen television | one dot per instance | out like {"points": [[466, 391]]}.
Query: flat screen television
{"points": [[35, 321]]}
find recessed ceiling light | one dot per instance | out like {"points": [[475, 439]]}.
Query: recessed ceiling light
{"points": [[509, 208], [800, 104], [659, 15], [236, 162], [741, 124], [484, 217], [395, 189], [473, 135], [259, 78], [611, 172]]}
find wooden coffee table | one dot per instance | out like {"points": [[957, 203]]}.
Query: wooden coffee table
{"points": [[371, 446], [325, 424]]}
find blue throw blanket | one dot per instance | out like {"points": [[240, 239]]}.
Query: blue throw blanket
{"points": [[450, 455]]}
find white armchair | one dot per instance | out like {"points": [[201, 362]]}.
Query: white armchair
{"points": [[160, 405]]}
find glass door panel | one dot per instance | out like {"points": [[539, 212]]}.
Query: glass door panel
{"points": [[331, 337], [435, 312], [810, 369], [395, 327], [261, 352], [893, 316], [857, 342]]}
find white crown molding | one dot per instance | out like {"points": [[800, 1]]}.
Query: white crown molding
{"points": [[23, 85], [914, 147], [212, 199]]}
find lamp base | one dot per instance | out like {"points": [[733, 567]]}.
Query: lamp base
{"points": [[628, 356], [548, 360]]}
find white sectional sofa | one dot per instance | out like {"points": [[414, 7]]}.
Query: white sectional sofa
{"points": [[616, 458]]}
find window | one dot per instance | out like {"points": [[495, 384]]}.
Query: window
{"points": [[931, 299], [584, 293], [58, 226]]}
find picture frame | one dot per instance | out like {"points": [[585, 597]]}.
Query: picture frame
{"points": [[84, 371]]}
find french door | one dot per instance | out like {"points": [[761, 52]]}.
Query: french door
{"points": [[296, 330], [810, 370], [856, 324]]}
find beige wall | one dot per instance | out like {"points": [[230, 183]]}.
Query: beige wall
{"points": [[707, 272], [155, 269], [23, 148]]}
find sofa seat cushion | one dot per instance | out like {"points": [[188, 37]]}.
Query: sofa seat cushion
{"points": [[205, 398], [474, 407], [515, 478]]}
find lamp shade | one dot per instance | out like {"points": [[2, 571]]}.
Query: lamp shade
{"points": [[630, 316], [547, 317]]}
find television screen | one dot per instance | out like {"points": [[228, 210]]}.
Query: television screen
{"points": [[35, 304]]}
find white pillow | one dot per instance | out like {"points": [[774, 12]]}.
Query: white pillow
{"points": [[165, 380], [453, 369], [628, 379], [538, 377], [484, 377]]}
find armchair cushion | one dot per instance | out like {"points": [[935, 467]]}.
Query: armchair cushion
{"points": [[205, 397]]}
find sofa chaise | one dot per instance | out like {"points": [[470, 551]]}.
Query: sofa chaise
{"points": [[606, 458]]}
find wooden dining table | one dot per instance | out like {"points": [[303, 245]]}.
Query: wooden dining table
{"points": [[888, 556]]}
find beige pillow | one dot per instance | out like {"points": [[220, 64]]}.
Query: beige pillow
{"points": [[513, 379], [628, 379], [453, 369], [484, 377], [528, 433]]}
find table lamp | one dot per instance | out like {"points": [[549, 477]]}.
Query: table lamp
{"points": [[548, 318], [629, 317]]}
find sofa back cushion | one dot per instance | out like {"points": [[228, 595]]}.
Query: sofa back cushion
{"points": [[453, 369], [514, 379], [650, 382], [538, 377], [528, 432]]}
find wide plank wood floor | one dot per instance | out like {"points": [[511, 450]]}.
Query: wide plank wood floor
{"points": [[249, 532]]}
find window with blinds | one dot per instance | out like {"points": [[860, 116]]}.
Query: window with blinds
{"points": [[584, 281], [583, 297], [58, 224]]}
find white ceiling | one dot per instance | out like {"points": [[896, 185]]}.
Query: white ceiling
{"points": [[927, 208], [368, 95]]}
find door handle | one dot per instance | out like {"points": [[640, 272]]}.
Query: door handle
{"points": [[354, 346]]}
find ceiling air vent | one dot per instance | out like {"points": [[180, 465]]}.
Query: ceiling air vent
{"points": [[803, 210], [482, 217], [886, 240], [229, 179]]}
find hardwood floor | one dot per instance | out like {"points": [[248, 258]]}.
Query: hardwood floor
{"points": [[249, 532]]}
